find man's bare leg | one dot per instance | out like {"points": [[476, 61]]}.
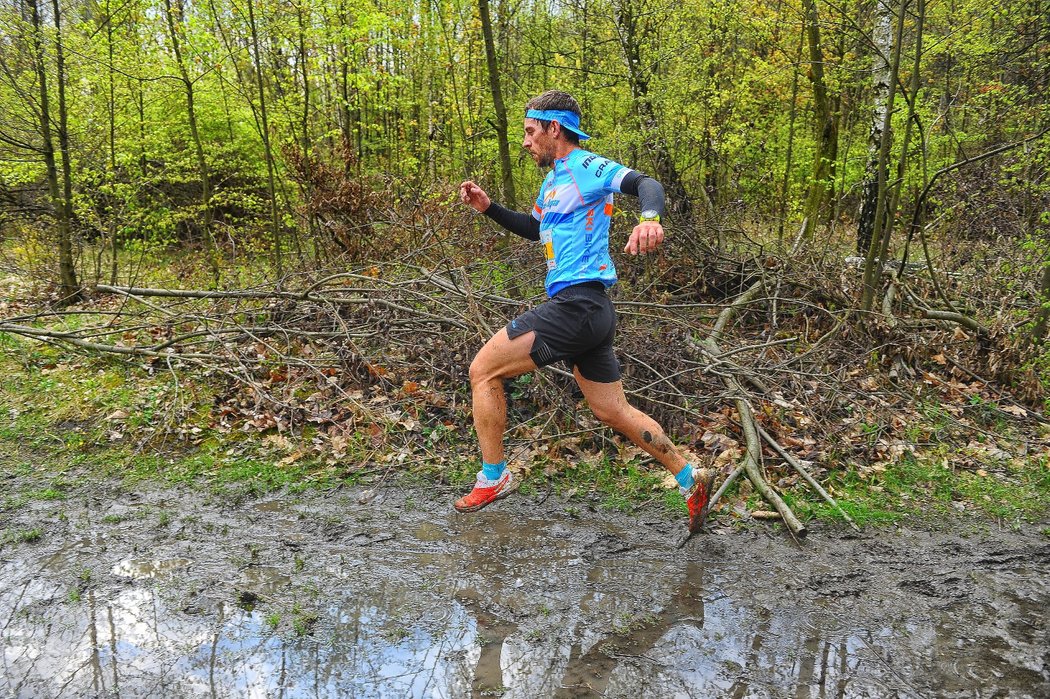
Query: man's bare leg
{"points": [[501, 358], [609, 404]]}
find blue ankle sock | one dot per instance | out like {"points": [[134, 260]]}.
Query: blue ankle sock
{"points": [[493, 471], [685, 477]]}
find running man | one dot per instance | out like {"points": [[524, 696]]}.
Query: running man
{"points": [[577, 324]]}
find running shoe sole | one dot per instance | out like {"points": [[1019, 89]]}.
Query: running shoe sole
{"points": [[502, 494]]}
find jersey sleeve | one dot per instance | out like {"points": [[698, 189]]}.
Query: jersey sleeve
{"points": [[537, 208], [597, 176]]}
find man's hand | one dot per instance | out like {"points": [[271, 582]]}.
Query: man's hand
{"points": [[474, 196], [645, 237]]}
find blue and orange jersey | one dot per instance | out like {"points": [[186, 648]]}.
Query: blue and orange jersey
{"points": [[574, 209]]}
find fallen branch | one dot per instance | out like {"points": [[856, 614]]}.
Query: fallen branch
{"points": [[802, 471], [725, 485], [753, 451], [963, 320]]}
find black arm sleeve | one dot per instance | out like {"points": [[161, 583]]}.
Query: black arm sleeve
{"points": [[514, 221], [650, 193]]}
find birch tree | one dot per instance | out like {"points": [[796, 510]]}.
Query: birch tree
{"points": [[882, 47]]}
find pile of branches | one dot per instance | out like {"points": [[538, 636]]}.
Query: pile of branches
{"points": [[757, 361]]}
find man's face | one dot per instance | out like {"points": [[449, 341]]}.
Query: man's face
{"points": [[539, 142]]}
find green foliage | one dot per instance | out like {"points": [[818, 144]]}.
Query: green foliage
{"points": [[21, 536], [930, 486], [396, 81]]}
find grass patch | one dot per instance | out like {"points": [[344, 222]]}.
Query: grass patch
{"points": [[929, 485], [21, 536], [46, 494], [618, 486]]}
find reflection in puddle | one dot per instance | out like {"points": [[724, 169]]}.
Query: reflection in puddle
{"points": [[497, 606], [262, 580], [142, 569]]}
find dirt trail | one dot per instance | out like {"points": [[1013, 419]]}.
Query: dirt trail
{"points": [[170, 593]]}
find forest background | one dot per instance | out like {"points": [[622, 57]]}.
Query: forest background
{"points": [[222, 220]]}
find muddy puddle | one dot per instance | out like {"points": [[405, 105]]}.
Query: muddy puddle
{"points": [[171, 594]]}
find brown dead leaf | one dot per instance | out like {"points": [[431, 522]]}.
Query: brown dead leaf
{"points": [[278, 441], [263, 421], [339, 443], [869, 470], [291, 458], [729, 456], [377, 370]]}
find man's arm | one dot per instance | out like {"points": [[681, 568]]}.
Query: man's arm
{"points": [[516, 222], [648, 234], [650, 193]]}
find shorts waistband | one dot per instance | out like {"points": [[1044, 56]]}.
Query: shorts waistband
{"points": [[582, 286]]}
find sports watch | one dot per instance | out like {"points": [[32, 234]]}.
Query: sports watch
{"points": [[649, 215]]}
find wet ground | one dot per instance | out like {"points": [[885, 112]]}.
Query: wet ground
{"points": [[359, 594]]}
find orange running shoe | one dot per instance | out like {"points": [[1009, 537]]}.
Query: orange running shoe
{"points": [[486, 491], [698, 499]]}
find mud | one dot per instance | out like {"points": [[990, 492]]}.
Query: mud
{"points": [[375, 594]]}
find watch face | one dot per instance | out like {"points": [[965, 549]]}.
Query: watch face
{"points": [[650, 214]]}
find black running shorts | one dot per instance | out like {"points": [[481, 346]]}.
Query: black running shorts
{"points": [[576, 326]]}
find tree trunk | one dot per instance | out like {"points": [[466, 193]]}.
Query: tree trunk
{"points": [[825, 122], [66, 236], [502, 131], [140, 104], [111, 109], [909, 121], [350, 119], [872, 266], [304, 122], [191, 114], [882, 40], [785, 188], [629, 30], [305, 143], [1042, 319], [264, 131], [69, 288]]}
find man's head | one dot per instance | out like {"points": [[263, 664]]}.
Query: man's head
{"points": [[552, 126]]}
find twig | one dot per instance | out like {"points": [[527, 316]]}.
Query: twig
{"points": [[802, 471], [963, 320], [725, 485]]}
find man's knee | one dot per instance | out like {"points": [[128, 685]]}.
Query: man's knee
{"points": [[479, 371], [483, 370], [612, 414]]}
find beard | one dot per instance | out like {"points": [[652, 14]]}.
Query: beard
{"points": [[544, 159]]}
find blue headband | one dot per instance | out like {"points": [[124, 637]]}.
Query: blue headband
{"points": [[568, 120]]}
